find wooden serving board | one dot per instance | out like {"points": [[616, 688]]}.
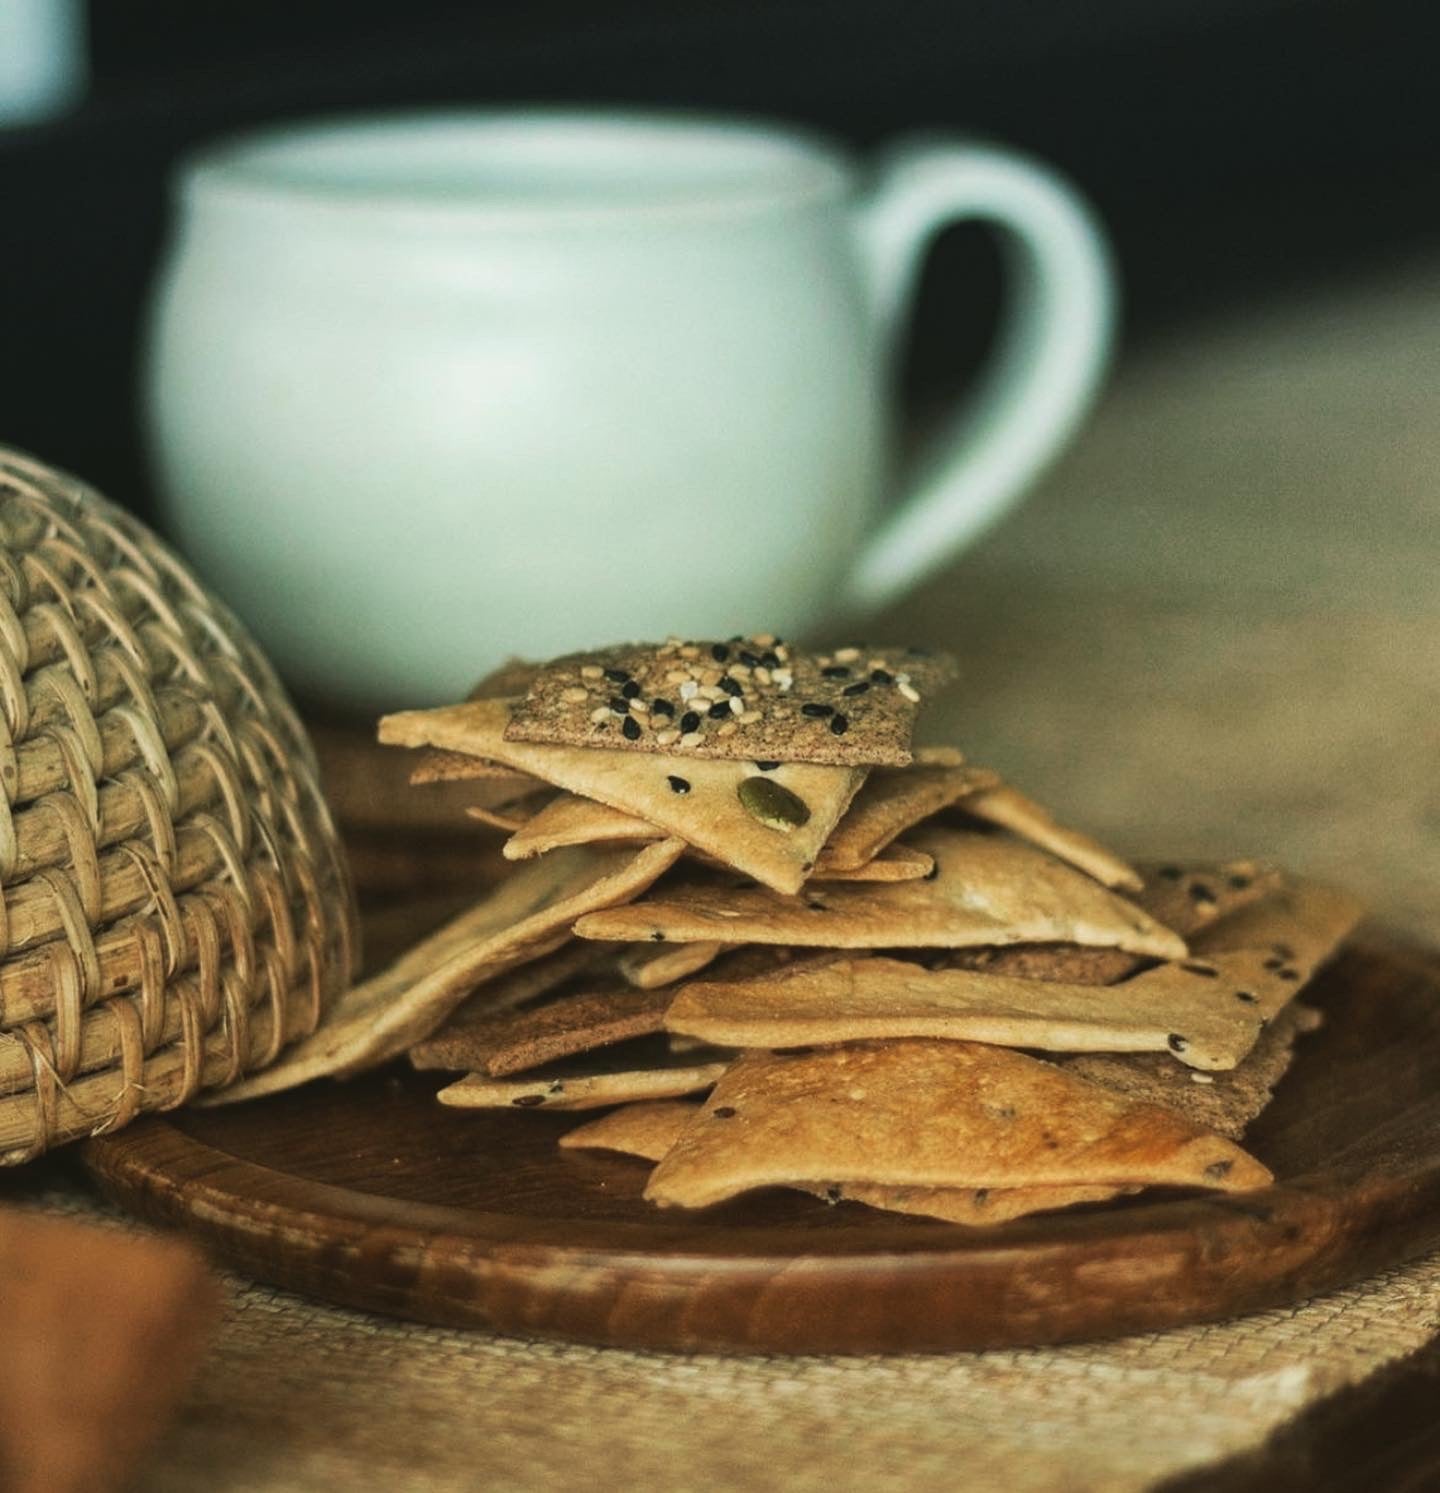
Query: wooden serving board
{"points": [[372, 1195]]}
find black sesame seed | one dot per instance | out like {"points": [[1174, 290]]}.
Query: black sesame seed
{"points": [[1202, 894], [779, 642], [617, 676], [816, 709], [766, 766], [982, 1196], [770, 659], [835, 671], [631, 729], [881, 676], [738, 637], [725, 1112], [833, 1194], [657, 936], [1177, 1042], [1218, 1169], [719, 709], [662, 707], [1239, 882], [619, 704], [677, 784], [855, 689], [528, 1101], [731, 686], [1171, 873], [630, 690], [1274, 962], [1244, 995], [750, 660], [839, 724], [1201, 969], [1287, 974], [720, 653], [689, 722]]}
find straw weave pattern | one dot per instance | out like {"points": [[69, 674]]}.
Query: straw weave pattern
{"points": [[174, 904]]}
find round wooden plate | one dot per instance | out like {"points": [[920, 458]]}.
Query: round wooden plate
{"points": [[372, 1195]]}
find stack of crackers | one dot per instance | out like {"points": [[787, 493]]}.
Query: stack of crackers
{"points": [[781, 946]]}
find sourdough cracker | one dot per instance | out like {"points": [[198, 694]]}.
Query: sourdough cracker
{"points": [[513, 1041], [700, 802], [571, 820], [455, 767], [748, 699], [526, 916], [1189, 1009], [916, 1113], [1010, 809], [988, 889], [511, 814], [648, 1130], [893, 800], [1191, 895], [649, 967], [896, 862], [587, 1086]]}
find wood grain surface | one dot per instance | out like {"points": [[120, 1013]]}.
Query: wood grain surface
{"points": [[369, 1194]]}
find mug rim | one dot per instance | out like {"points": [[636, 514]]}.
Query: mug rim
{"points": [[319, 165]]}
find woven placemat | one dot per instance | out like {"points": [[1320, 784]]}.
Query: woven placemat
{"points": [[301, 1398]]}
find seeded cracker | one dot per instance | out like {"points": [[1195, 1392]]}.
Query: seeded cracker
{"points": [[1010, 809], [698, 801], [748, 699], [526, 916], [649, 1130], [913, 1113], [590, 1083], [988, 889]]}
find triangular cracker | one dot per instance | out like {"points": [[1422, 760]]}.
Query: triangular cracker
{"points": [[1012, 810], [648, 1130], [527, 915], [916, 1113], [589, 1084], [894, 800], [988, 889], [698, 801], [1189, 1009]]}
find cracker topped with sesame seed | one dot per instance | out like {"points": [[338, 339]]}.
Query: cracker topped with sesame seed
{"points": [[749, 698]]}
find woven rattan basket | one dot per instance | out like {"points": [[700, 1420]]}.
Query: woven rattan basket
{"points": [[176, 906]]}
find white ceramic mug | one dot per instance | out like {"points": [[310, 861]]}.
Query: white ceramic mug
{"points": [[427, 391]]}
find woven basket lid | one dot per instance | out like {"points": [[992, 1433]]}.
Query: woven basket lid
{"points": [[176, 906]]}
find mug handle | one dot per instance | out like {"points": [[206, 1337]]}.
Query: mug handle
{"points": [[1053, 348]]}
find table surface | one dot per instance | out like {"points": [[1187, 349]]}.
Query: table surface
{"points": [[1214, 630]]}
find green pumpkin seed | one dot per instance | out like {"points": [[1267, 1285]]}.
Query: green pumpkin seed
{"points": [[772, 804]]}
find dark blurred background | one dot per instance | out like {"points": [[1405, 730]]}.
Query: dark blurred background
{"points": [[1235, 147]]}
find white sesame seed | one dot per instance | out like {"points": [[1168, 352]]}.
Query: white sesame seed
{"points": [[728, 729], [909, 691], [602, 714], [783, 678], [737, 705], [677, 676], [1201, 1078], [575, 695], [710, 677], [592, 671], [667, 737], [749, 717], [762, 675], [639, 707], [690, 739], [783, 654], [876, 663], [689, 690], [738, 671], [763, 639], [689, 651], [846, 655]]}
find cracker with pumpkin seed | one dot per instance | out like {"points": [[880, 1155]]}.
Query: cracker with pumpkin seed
{"points": [[648, 1130], [639, 1070], [770, 825], [918, 1113], [988, 889], [524, 917], [749, 699]]}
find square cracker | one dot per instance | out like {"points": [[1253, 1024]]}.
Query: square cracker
{"points": [[988, 889], [916, 1113], [526, 916], [648, 1130], [749, 699], [706, 812]]}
